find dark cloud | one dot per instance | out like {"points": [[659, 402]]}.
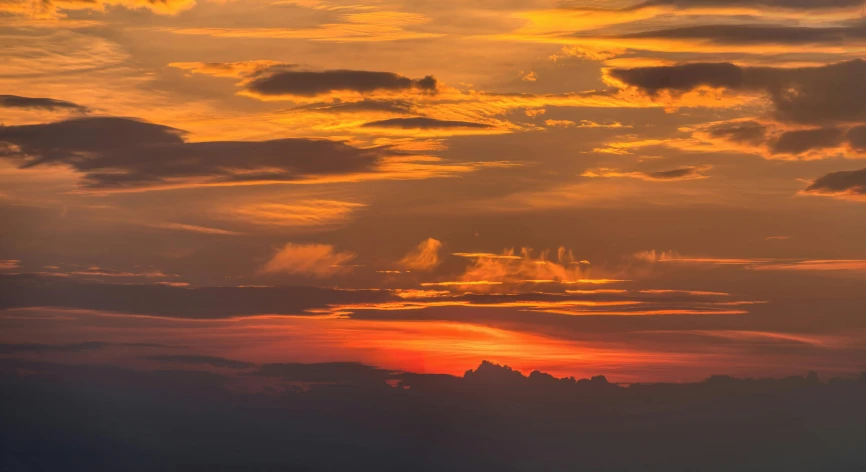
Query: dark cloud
{"points": [[757, 34], [423, 123], [71, 347], [675, 174], [310, 83], [810, 95], [170, 301], [857, 138], [15, 101], [744, 132], [119, 153], [200, 360], [849, 181], [786, 4], [800, 141]]}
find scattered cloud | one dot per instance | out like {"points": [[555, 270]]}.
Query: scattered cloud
{"points": [[9, 264], [424, 257]]}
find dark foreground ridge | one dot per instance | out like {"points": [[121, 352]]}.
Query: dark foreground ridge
{"points": [[351, 417]]}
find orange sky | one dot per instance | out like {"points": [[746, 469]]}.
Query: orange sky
{"points": [[657, 190]]}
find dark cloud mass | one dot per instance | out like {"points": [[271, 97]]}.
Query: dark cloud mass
{"points": [[745, 132], [423, 123], [310, 83], [757, 34], [850, 182], [14, 101], [800, 141], [121, 153], [809, 95], [169, 301]]}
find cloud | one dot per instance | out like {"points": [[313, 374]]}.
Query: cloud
{"points": [[191, 228], [363, 26], [239, 69], [7, 348], [767, 264], [423, 123], [800, 141], [815, 265], [314, 213], [674, 257], [29, 290], [9, 264], [96, 271], [515, 269], [771, 140], [56, 10], [124, 154], [365, 105], [424, 257], [682, 173], [307, 84], [15, 101], [746, 34], [315, 260], [827, 94], [582, 124], [851, 183], [787, 4]]}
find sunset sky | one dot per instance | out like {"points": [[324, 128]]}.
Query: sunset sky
{"points": [[654, 190]]}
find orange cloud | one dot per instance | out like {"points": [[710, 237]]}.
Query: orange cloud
{"points": [[424, 257], [301, 214], [683, 173], [9, 264], [316, 260], [53, 10]]}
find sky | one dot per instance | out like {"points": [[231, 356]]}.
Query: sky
{"points": [[654, 190]]}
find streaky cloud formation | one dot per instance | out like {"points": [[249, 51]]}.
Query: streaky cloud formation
{"points": [[423, 123], [424, 257], [317, 260]]}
